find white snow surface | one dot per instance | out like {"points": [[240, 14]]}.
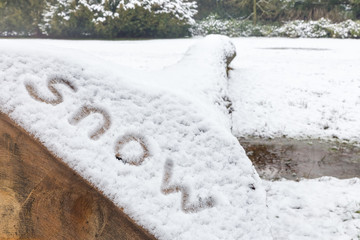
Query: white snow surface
{"points": [[177, 122], [298, 88], [274, 91], [301, 88], [325, 208]]}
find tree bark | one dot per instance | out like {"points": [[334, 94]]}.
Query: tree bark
{"points": [[42, 198], [254, 12]]}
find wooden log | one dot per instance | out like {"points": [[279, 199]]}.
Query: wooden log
{"points": [[42, 198]]}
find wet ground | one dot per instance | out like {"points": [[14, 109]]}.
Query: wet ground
{"points": [[295, 159]]}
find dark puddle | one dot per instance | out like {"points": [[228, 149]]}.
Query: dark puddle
{"points": [[295, 159]]}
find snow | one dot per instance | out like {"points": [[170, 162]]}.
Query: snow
{"points": [[132, 152], [324, 208], [322, 28], [99, 107], [298, 88], [301, 88], [170, 96], [144, 55]]}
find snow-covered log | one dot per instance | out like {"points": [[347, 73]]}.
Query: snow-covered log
{"points": [[42, 198], [162, 153]]}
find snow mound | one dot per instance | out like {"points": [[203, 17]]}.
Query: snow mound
{"points": [[162, 155], [201, 75]]}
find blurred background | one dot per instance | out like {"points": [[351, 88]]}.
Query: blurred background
{"points": [[110, 19]]}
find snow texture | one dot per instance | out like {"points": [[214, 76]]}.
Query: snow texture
{"points": [[298, 88], [185, 178], [325, 208], [302, 88], [272, 82], [322, 28]]}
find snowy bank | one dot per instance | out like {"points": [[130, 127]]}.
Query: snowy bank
{"points": [[162, 155]]}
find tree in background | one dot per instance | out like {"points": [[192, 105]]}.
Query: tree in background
{"points": [[335, 10], [21, 16], [96, 18], [243, 9], [265, 10], [153, 18], [280, 10], [117, 18], [355, 5]]}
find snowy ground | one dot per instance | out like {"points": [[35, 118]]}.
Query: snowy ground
{"points": [[299, 88], [324, 208], [302, 88]]}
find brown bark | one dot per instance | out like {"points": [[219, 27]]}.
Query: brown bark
{"points": [[42, 198]]}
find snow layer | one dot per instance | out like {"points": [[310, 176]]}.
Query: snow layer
{"points": [[99, 109], [298, 88], [144, 55], [325, 208], [302, 88]]}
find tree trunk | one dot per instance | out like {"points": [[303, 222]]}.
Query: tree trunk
{"points": [[42, 198], [254, 12]]}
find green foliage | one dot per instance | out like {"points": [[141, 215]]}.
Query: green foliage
{"points": [[78, 25], [281, 10], [21, 16], [230, 27], [130, 23], [224, 8], [294, 29], [355, 4], [139, 22], [335, 10]]}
